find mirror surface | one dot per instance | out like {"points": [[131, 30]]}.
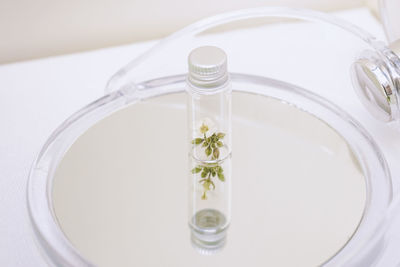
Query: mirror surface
{"points": [[120, 192]]}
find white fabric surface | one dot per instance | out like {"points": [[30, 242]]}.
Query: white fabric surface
{"points": [[36, 96]]}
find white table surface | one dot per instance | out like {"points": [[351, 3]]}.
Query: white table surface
{"points": [[36, 96]]}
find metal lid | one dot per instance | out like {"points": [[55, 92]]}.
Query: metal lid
{"points": [[207, 66], [375, 84]]}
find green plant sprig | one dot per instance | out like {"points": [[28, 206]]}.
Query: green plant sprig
{"points": [[211, 144], [207, 171]]}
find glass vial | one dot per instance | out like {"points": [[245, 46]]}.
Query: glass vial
{"points": [[209, 114]]}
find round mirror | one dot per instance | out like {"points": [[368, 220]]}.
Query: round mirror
{"points": [[120, 192]]}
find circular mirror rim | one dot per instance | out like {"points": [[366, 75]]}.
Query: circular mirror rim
{"points": [[59, 251]]}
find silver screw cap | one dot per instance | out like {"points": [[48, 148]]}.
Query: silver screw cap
{"points": [[208, 67]]}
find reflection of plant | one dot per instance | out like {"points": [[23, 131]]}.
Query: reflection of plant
{"points": [[208, 171], [211, 146]]}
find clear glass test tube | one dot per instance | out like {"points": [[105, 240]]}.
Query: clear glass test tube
{"points": [[209, 115]]}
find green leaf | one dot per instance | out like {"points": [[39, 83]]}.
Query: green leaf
{"points": [[216, 153], [203, 174], [221, 177], [196, 169], [220, 135], [220, 144], [208, 151], [197, 141], [219, 169]]}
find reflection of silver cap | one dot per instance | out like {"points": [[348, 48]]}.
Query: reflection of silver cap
{"points": [[208, 66], [376, 81]]}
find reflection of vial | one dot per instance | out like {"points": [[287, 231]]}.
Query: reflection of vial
{"points": [[209, 112]]}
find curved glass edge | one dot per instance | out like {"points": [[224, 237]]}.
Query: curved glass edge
{"points": [[354, 250], [47, 233], [61, 252], [122, 78]]}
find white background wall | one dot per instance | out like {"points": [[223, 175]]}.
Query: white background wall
{"points": [[40, 28]]}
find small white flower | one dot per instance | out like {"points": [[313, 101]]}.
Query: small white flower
{"points": [[203, 128], [206, 126]]}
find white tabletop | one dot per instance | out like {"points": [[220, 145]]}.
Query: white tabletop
{"points": [[36, 96]]}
